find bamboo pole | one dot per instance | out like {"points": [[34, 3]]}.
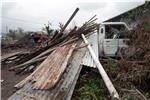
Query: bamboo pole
{"points": [[104, 75]]}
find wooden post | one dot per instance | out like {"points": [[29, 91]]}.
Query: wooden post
{"points": [[74, 13], [104, 75], [64, 27]]}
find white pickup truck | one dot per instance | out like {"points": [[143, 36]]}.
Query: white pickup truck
{"points": [[111, 37], [107, 41]]}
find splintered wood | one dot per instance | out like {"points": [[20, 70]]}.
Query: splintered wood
{"points": [[24, 61], [63, 89], [51, 69]]}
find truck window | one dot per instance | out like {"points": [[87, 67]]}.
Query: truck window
{"points": [[123, 35], [115, 32]]}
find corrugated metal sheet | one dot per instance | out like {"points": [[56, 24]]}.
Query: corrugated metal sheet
{"points": [[68, 97], [62, 89], [88, 60]]}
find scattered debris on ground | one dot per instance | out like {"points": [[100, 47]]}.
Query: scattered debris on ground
{"points": [[55, 68], [59, 60], [133, 70], [130, 74]]}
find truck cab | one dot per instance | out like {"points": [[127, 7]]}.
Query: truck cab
{"points": [[111, 37]]}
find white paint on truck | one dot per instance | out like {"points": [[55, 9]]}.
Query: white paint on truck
{"points": [[110, 46]]}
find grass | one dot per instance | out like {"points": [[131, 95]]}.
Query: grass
{"points": [[90, 86]]}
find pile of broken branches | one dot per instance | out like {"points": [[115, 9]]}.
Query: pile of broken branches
{"points": [[132, 73]]}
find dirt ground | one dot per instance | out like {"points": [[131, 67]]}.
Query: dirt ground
{"points": [[10, 79]]}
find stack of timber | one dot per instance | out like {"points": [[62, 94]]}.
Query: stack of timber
{"points": [[28, 62], [50, 70], [56, 76], [62, 90]]}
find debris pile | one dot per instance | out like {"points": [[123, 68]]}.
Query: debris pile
{"points": [[56, 67], [53, 78], [25, 43], [24, 61], [132, 73]]}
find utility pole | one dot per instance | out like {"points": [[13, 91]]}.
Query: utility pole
{"points": [[6, 29]]}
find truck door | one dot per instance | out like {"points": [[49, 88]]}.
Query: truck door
{"points": [[114, 39], [111, 46]]}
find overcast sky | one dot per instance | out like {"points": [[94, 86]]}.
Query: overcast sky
{"points": [[33, 14]]}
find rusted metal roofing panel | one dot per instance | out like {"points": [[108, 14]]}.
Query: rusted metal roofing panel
{"points": [[62, 88], [88, 60]]}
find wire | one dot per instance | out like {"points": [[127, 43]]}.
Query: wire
{"points": [[26, 21]]}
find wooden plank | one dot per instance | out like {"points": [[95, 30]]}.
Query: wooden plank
{"points": [[36, 57], [43, 54], [3, 57], [69, 95], [57, 64], [50, 70], [62, 88], [71, 73]]}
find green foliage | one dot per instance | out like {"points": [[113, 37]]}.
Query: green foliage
{"points": [[48, 29], [6, 41], [91, 88], [137, 13], [111, 66], [146, 26], [16, 34], [12, 36]]}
